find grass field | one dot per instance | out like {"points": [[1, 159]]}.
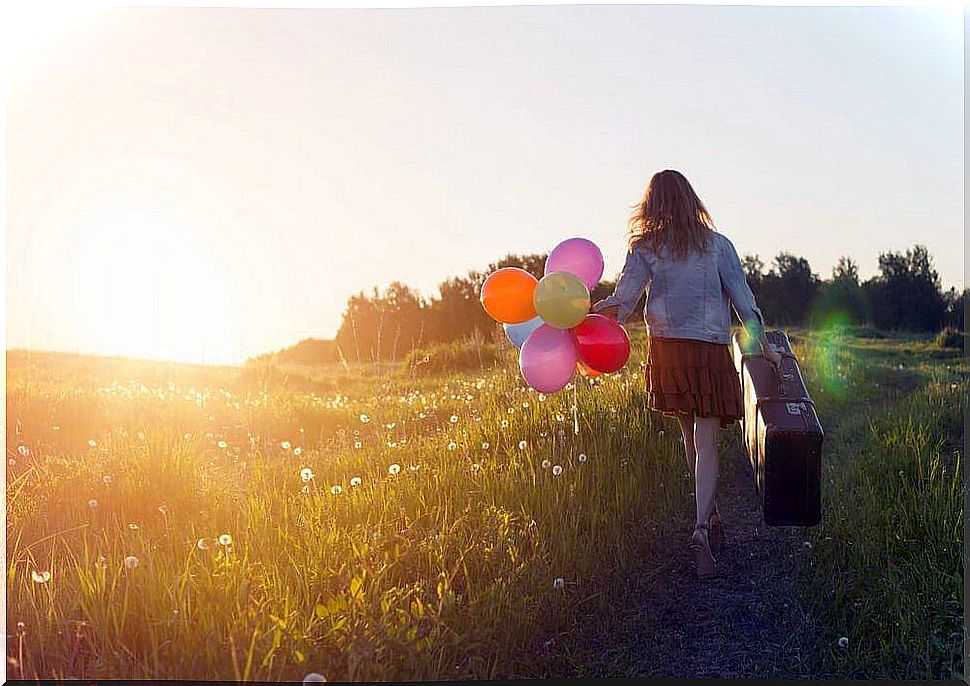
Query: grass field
{"points": [[169, 521]]}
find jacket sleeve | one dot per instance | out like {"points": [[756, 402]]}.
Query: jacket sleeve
{"points": [[633, 280], [735, 284]]}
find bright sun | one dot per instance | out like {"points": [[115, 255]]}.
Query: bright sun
{"points": [[147, 287]]}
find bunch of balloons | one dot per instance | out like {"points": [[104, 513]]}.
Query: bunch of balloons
{"points": [[548, 319]]}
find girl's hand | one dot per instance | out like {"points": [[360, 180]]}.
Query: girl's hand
{"points": [[773, 355], [611, 312]]}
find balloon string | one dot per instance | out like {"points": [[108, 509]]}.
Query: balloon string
{"points": [[575, 410]]}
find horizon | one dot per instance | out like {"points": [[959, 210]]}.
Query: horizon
{"points": [[212, 177]]}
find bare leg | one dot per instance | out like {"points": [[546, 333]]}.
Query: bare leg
{"points": [[705, 482], [687, 429]]}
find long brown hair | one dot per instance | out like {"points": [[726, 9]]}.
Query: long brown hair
{"points": [[671, 214]]}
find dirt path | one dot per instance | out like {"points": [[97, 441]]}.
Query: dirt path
{"points": [[663, 622]]}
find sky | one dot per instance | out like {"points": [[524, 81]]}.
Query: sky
{"points": [[210, 184]]}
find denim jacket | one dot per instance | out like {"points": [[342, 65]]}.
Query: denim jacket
{"points": [[686, 298]]}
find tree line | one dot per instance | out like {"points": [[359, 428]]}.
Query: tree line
{"points": [[905, 295]]}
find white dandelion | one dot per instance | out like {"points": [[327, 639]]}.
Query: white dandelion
{"points": [[131, 562], [225, 539], [285, 445], [582, 457], [394, 469], [557, 470], [454, 419], [222, 444], [298, 451]]}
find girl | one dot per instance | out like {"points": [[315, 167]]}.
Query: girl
{"points": [[692, 276]]}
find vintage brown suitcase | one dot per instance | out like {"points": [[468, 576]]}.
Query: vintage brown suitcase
{"points": [[782, 435]]}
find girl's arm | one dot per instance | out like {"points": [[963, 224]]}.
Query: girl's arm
{"points": [[736, 286], [629, 287]]}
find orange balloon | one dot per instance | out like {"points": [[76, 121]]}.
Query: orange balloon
{"points": [[507, 295], [588, 372]]}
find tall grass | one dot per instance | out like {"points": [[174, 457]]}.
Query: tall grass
{"points": [[486, 516]]}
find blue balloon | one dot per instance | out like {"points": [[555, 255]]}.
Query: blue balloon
{"points": [[517, 333]]}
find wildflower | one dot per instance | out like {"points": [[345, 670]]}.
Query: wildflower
{"points": [[285, 445], [92, 503], [131, 562], [557, 470], [23, 450], [522, 445], [93, 443], [225, 539], [306, 474], [844, 642], [454, 419], [298, 451], [40, 577], [452, 445], [546, 464], [394, 469], [558, 582], [356, 481], [222, 444], [202, 544], [364, 419], [336, 490], [582, 457]]}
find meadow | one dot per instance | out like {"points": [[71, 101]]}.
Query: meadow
{"points": [[424, 521]]}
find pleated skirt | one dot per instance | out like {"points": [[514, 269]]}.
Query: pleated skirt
{"points": [[686, 376]]}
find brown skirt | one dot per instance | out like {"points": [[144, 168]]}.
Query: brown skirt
{"points": [[686, 376]]}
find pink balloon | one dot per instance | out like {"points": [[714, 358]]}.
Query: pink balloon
{"points": [[579, 257], [548, 359]]}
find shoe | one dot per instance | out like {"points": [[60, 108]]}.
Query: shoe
{"points": [[701, 547], [717, 534]]}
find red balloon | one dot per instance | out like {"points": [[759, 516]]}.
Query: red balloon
{"points": [[601, 343]]}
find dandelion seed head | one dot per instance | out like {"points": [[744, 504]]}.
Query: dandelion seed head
{"points": [[452, 445], [336, 490], [93, 503], [546, 464], [202, 544], [285, 445], [306, 474], [222, 445], [131, 562], [356, 481], [394, 469], [364, 419], [485, 445], [522, 445], [505, 423], [132, 526], [225, 539], [298, 451], [454, 419], [582, 457], [557, 470], [357, 445]]}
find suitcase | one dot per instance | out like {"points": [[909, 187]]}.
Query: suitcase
{"points": [[782, 435]]}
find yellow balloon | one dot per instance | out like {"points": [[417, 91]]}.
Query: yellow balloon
{"points": [[561, 299]]}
